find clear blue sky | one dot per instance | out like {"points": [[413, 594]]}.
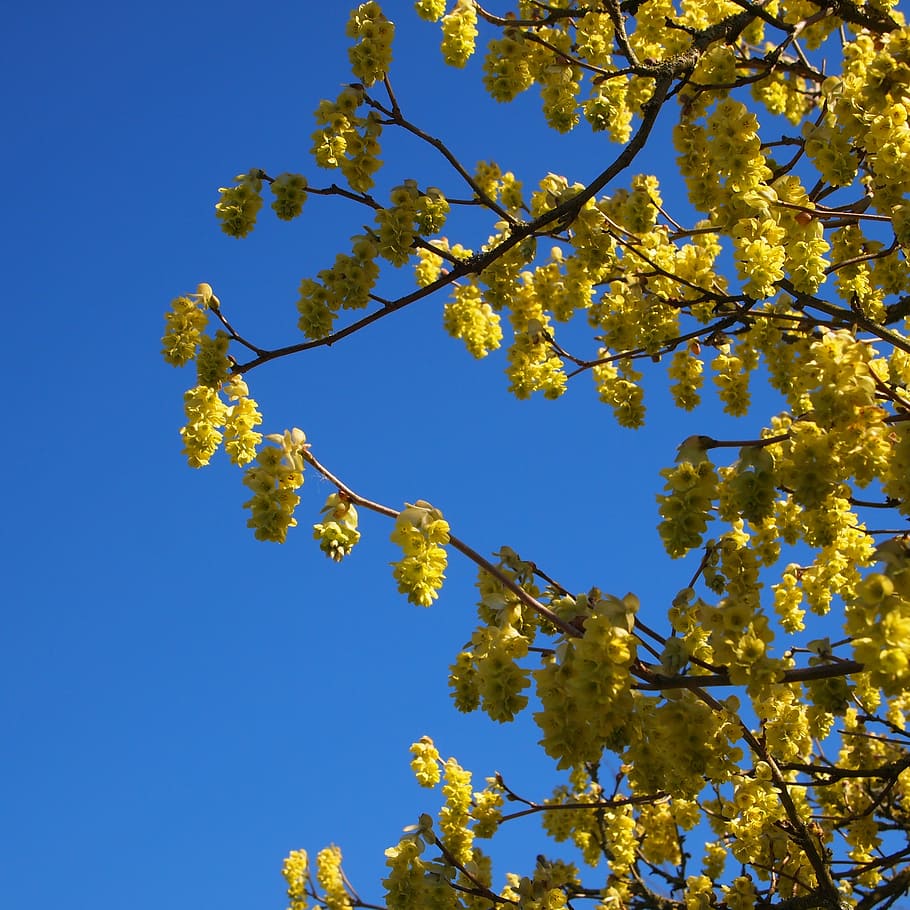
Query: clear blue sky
{"points": [[182, 704]]}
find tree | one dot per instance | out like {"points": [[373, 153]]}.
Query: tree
{"points": [[789, 269]]}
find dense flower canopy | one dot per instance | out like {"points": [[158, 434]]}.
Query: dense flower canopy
{"points": [[792, 140]]}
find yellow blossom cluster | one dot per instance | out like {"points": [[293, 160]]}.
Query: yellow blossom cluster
{"points": [[406, 884], [289, 191], [331, 880], [455, 815], [337, 533], [239, 204], [425, 763], [206, 416], [240, 420], [274, 480], [468, 317], [209, 418], [185, 322], [420, 530], [878, 619], [459, 31], [686, 506], [371, 56], [431, 10], [295, 872], [676, 744], [488, 673], [584, 688], [346, 285], [347, 140]]}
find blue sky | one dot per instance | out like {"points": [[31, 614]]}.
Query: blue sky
{"points": [[183, 704]]}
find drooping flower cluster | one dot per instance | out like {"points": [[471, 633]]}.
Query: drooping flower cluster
{"points": [[185, 322], [212, 363], [295, 872], [240, 419], [585, 687], [289, 191], [348, 141], [425, 763], [337, 533], [372, 55], [468, 317], [205, 415], [420, 530], [459, 29], [878, 619], [240, 204], [346, 285], [274, 480], [455, 815], [328, 873], [687, 504]]}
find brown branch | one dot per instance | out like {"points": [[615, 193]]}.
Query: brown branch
{"points": [[564, 213], [534, 808], [654, 681], [398, 119], [475, 557], [888, 771], [482, 889], [850, 317]]}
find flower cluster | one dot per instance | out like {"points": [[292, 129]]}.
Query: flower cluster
{"points": [[406, 884], [506, 67], [184, 324], [687, 372], [731, 376], [675, 745], [584, 688], [289, 191], [240, 204], [241, 417], [472, 320], [878, 618], [533, 364], [296, 872], [212, 362], [559, 81], [749, 487], [686, 506], [346, 285], [431, 10], [419, 531], [459, 29], [337, 532], [499, 679], [829, 149], [205, 414], [759, 255], [487, 810], [428, 267], [372, 55], [455, 815], [396, 224], [331, 879], [425, 763], [348, 141], [617, 386], [274, 480]]}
